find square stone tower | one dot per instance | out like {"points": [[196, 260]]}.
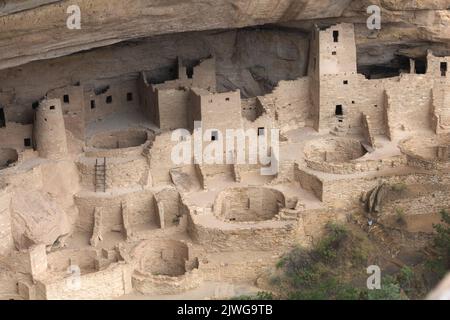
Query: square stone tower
{"points": [[333, 72]]}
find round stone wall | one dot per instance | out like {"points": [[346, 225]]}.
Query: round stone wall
{"points": [[334, 150], [119, 139]]}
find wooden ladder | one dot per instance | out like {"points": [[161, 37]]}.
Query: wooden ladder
{"points": [[100, 175]]}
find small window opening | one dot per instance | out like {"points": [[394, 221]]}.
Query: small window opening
{"points": [[129, 96], [52, 107], [2, 118], [339, 111], [27, 142], [421, 66], [333, 53], [190, 72], [227, 99], [353, 102], [35, 105], [109, 99], [214, 135], [443, 69], [66, 98], [92, 104], [345, 81], [335, 36], [260, 131]]}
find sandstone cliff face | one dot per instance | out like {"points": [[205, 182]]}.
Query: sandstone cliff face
{"points": [[32, 30]]}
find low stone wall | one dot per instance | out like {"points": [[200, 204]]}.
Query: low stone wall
{"points": [[424, 153], [309, 181], [248, 204], [114, 153], [150, 284], [92, 286], [120, 173], [60, 261], [333, 150], [276, 234], [119, 144], [141, 206], [164, 267], [356, 165]]}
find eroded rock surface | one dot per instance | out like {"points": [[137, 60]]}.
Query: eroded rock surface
{"points": [[37, 30]]}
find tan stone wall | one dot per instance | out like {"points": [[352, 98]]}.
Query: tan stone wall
{"points": [[49, 130], [141, 207], [160, 159], [288, 104], [309, 182], [246, 236], [356, 95], [409, 103], [195, 110], [118, 91], [346, 193], [344, 47], [314, 75], [117, 276], [357, 166], [60, 261], [14, 134], [172, 106], [367, 130], [205, 75], [6, 240], [248, 204], [434, 67], [38, 260], [441, 107], [73, 110], [214, 240], [221, 111], [170, 200]]}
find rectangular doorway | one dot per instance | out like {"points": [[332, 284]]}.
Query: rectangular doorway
{"points": [[2, 118]]}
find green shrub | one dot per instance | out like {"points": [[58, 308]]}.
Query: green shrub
{"points": [[390, 290], [326, 249], [400, 216], [399, 187], [441, 243]]}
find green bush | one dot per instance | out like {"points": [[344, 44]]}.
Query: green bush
{"points": [[326, 249], [390, 290], [399, 187], [441, 243]]}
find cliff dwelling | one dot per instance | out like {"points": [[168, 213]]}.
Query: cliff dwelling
{"points": [[89, 185]]}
